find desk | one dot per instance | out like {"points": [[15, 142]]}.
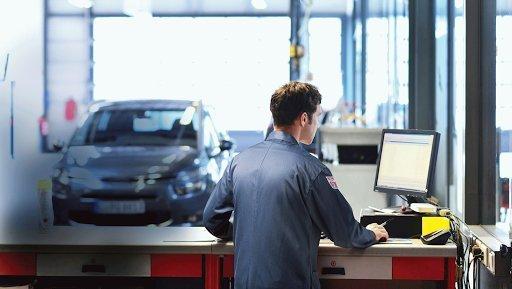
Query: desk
{"points": [[108, 252], [384, 265], [194, 253]]}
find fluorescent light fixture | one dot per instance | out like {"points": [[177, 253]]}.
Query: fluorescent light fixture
{"points": [[85, 4], [187, 116], [259, 4]]}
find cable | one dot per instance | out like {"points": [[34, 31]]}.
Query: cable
{"points": [[463, 240], [402, 197], [475, 269], [477, 256], [465, 256], [457, 238]]}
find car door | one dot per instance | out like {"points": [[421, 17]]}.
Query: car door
{"points": [[212, 147]]}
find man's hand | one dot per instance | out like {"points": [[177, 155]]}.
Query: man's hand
{"points": [[380, 233]]}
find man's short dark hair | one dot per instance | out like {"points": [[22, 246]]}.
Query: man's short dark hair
{"points": [[292, 99]]}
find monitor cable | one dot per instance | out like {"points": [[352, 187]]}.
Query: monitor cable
{"points": [[462, 237]]}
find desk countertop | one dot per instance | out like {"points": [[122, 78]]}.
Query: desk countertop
{"points": [[196, 240], [326, 247]]}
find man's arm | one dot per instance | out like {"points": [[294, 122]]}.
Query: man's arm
{"points": [[332, 213], [219, 208]]}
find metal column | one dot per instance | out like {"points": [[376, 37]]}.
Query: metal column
{"points": [[296, 15], [347, 58], [421, 65], [480, 172]]}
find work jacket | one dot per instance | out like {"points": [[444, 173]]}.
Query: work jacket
{"points": [[282, 198]]}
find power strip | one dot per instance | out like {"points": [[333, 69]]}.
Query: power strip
{"points": [[497, 261]]}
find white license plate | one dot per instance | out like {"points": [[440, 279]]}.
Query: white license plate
{"points": [[120, 207]]}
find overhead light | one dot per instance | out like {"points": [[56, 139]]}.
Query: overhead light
{"points": [[259, 4], [85, 4], [137, 8]]}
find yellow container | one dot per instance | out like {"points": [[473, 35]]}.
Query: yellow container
{"points": [[431, 224]]}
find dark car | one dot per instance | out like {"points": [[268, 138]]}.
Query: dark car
{"points": [[139, 163]]}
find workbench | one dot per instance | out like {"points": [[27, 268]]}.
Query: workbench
{"points": [[379, 266], [194, 253], [89, 251]]}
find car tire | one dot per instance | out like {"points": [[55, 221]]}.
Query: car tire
{"points": [[60, 216], [60, 221]]}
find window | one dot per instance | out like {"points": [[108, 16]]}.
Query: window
{"points": [[325, 59], [459, 111], [138, 127], [238, 61], [211, 138], [503, 108], [387, 65]]}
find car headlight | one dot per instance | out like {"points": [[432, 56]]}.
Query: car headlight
{"points": [[78, 176], [190, 182], [190, 187]]}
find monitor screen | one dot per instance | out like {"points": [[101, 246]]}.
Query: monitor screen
{"points": [[406, 162]]}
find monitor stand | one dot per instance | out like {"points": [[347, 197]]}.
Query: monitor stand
{"points": [[421, 205], [406, 208], [414, 199]]}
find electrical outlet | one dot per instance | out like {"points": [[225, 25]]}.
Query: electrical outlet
{"points": [[496, 255], [491, 263], [485, 252], [493, 260]]}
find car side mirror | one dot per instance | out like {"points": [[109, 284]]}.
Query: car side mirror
{"points": [[58, 146], [226, 145]]}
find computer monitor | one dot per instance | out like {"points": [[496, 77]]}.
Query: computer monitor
{"points": [[406, 162]]}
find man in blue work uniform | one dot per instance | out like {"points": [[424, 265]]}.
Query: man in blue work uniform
{"points": [[283, 198]]}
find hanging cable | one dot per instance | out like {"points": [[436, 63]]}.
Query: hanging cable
{"points": [[461, 236]]}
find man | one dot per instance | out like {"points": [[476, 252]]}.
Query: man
{"points": [[283, 198]]}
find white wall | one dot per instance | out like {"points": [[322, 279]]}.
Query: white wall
{"points": [[21, 35]]}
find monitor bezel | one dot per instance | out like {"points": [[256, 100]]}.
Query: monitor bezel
{"points": [[431, 171]]}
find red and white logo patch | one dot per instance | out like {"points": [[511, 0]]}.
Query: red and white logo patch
{"points": [[332, 182]]}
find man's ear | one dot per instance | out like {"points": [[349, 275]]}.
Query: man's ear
{"points": [[304, 119]]}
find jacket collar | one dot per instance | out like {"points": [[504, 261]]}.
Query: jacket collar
{"points": [[283, 136]]}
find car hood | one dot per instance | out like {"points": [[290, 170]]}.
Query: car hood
{"points": [[127, 163]]}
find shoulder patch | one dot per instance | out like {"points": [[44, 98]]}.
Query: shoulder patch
{"points": [[332, 182]]}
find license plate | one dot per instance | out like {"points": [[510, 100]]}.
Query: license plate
{"points": [[120, 207]]}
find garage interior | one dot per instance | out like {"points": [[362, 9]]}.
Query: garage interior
{"points": [[194, 78]]}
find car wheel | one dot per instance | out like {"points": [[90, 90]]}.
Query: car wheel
{"points": [[59, 221]]}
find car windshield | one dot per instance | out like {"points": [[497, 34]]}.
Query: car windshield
{"points": [[139, 127]]}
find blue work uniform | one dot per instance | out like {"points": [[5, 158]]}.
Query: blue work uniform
{"points": [[282, 198]]}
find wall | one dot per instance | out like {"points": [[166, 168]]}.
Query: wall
{"points": [[21, 35]]}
